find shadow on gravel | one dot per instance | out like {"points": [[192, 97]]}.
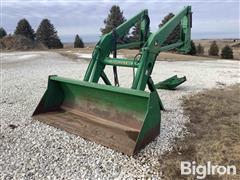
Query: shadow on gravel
{"points": [[12, 126], [214, 133]]}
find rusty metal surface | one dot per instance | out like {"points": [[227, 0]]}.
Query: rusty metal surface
{"points": [[110, 134]]}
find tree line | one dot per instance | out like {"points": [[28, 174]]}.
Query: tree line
{"points": [[214, 50], [115, 18], [45, 34]]}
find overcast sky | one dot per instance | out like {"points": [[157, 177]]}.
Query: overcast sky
{"points": [[211, 19]]}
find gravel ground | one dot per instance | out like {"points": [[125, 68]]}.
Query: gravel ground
{"points": [[33, 150]]}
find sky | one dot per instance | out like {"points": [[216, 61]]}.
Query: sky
{"points": [[211, 18]]}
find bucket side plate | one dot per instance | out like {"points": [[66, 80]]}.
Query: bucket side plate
{"points": [[151, 127]]}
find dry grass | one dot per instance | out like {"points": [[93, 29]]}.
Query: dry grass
{"points": [[19, 43], [166, 56], [214, 133]]}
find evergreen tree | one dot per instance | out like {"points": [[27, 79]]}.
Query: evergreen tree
{"points": [[175, 35], [47, 35], [227, 52], [2, 33], [214, 50], [200, 49], [114, 19], [193, 50], [24, 28], [78, 43]]}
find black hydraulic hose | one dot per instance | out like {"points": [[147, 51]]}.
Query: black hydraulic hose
{"points": [[115, 74]]}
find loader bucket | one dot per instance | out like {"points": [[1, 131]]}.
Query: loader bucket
{"points": [[122, 119]]}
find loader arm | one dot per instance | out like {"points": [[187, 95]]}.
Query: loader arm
{"points": [[106, 45], [124, 119], [155, 45], [151, 44]]}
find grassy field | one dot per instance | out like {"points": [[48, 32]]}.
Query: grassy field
{"points": [[214, 133]]}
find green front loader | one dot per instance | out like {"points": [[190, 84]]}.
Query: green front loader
{"points": [[124, 119]]}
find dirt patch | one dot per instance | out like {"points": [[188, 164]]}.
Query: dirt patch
{"points": [[214, 133], [73, 53], [69, 55]]}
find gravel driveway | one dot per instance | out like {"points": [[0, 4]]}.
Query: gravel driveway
{"points": [[33, 150]]}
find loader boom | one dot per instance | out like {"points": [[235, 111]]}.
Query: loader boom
{"points": [[151, 44], [124, 119]]}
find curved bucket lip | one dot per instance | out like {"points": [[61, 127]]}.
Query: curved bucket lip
{"points": [[101, 86]]}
